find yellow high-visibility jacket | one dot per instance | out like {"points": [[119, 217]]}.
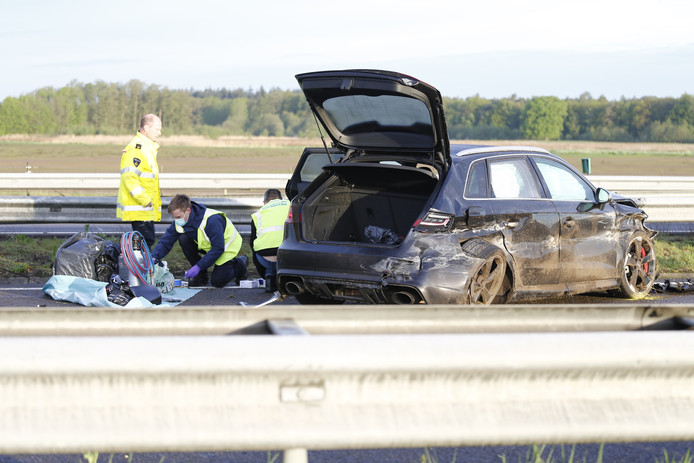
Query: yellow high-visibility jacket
{"points": [[269, 224], [139, 181], [232, 238]]}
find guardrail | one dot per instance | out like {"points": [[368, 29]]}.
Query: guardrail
{"points": [[665, 199], [357, 319], [217, 182], [70, 394], [633, 186], [625, 185], [102, 209]]}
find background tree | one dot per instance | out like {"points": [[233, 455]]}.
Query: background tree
{"points": [[683, 110], [543, 118], [114, 108]]}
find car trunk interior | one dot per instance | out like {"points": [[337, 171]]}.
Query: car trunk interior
{"points": [[359, 195]]}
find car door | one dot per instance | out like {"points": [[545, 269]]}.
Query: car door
{"points": [[588, 247], [527, 220]]}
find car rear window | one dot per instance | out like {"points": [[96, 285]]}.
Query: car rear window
{"points": [[357, 113]]}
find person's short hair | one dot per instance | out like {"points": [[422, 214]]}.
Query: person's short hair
{"points": [[271, 194], [147, 119], [179, 202]]}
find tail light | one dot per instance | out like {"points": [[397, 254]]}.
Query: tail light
{"points": [[290, 216], [434, 221]]}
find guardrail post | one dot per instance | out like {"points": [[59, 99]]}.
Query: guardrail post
{"points": [[295, 456], [585, 164]]}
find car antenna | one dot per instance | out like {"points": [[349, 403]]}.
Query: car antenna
{"points": [[322, 137]]}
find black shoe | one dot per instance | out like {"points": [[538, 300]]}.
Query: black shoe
{"points": [[241, 269], [270, 284], [200, 279]]}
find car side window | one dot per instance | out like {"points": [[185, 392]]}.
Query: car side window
{"points": [[563, 183], [512, 178], [313, 166], [476, 185]]}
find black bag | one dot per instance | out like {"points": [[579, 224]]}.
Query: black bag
{"points": [[106, 263], [86, 255]]}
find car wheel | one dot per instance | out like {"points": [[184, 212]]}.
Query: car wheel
{"points": [[638, 267], [310, 299], [487, 278]]}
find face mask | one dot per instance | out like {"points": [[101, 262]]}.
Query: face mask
{"points": [[181, 222]]}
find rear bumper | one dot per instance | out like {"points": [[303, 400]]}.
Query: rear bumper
{"points": [[428, 269], [348, 290]]}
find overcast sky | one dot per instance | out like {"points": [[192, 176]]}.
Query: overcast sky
{"points": [[493, 48]]}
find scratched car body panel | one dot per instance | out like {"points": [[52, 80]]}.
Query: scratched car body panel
{"points": [[403, 217]]}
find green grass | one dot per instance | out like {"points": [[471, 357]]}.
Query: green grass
{"points": [[675, 254], [545, 454], [687, 458], [25, 256], [552, 454]]}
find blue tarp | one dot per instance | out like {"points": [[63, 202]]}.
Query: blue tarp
{"points": [[92, 293]]}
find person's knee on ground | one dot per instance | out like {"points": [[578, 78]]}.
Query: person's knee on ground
{"points": [[237, 269], [222, 274]]}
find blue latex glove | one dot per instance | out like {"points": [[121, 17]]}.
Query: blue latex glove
{"points": [[192, 272]]}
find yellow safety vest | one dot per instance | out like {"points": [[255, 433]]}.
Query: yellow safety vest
{"points": [[232, 238], [269, 224], [139, 181]]}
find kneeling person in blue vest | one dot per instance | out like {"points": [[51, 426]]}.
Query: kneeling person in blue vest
{"points": [[208, 240]]}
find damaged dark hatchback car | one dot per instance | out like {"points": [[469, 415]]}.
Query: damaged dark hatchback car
{"points": [[402, 217]]}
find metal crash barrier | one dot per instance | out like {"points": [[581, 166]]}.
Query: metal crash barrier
{"points": [[348, 319], [102, 209], [451, 376], [665, 199], [217, 182]]}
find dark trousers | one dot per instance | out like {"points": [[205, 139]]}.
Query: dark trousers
{"points": [[147, 231], [221, 274]]}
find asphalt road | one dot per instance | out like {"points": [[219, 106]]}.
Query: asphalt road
{"points": [[643, 452], [19, 293], [23, 293]]}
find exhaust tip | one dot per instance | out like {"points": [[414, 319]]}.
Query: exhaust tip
{"points": [[294, 288], [404, 297]]}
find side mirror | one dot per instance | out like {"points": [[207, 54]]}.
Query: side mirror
{"points": [[602, 196]]}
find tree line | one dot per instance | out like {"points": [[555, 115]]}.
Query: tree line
{"points": [[115, 108]]}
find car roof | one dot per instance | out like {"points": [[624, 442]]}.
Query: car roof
{"points": [[467, 150], [459, 147]]}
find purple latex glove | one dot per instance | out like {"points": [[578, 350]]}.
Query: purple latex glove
{"points": [[192, 272]]}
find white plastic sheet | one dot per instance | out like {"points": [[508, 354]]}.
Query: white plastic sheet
{"points": [[92, 293]]}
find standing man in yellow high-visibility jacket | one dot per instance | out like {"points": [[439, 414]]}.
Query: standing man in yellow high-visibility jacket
{"points": [[139, 197], [267, 233]]}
